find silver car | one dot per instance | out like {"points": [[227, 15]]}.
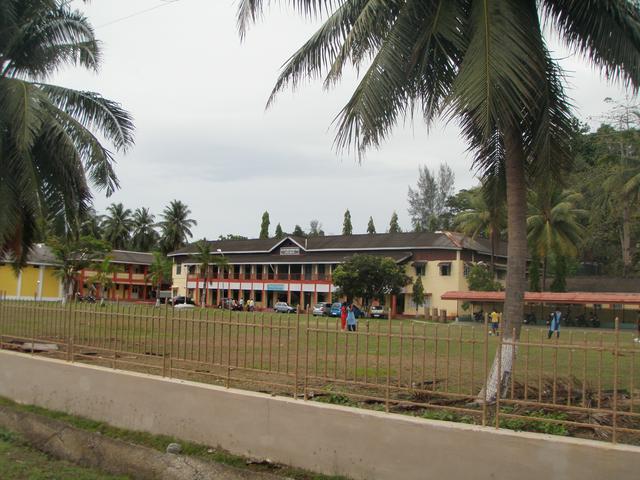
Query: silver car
{"points": [[378, 311], [322, 309], [283, 307]]}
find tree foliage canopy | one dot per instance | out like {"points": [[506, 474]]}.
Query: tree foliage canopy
{"points": [[369, 277], [50, 147]]}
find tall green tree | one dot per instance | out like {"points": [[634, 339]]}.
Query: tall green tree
{"points": [[554, 223], [117, 225], [50, 148], [264, 225], [428, 201], [315, 229], [417, 293], [279, 233], [369, 277], [347, 228], [103, 277], [394, 226], [484, 216], [205, 259], [159, 272], [144, 236], [74, 254], [175, 226], [484, 63], [371, 228], [298, 232]]}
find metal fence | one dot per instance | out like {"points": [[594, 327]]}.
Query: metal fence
{"points": [[585, 383]]}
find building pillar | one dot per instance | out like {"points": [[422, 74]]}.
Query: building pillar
{"points": [[394, 301], [40, 282]]}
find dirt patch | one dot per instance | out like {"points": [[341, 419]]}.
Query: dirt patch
{"points": [[93, 450]]}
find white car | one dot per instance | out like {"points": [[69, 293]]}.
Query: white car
{"points": [[283, 307], [184, 305], [322, 309]]}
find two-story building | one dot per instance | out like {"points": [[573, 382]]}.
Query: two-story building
{"points": [[38, 279], [299, 270]]}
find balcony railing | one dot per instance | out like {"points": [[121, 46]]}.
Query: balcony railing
{"points": [[284, 277]]}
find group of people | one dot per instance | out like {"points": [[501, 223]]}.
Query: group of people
{"points": [[348, 317], [239, 305]]}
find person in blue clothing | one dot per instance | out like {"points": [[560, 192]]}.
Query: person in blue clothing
{"points": [[554, 324], [352, 322]]}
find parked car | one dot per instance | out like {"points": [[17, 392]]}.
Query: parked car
{"points": [[335, 309], [378, 311], [283, 307], [181, 300], [322, 309]]}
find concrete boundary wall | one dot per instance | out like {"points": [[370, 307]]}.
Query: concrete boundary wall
{"points": [[331, 439]]}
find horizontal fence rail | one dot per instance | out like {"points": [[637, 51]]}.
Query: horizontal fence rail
{"points": [[585, 383]]}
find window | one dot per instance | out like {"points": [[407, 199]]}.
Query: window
{"points": [[178, 269], [191, 269], [445, 269], [421, 269], [467, 270], [257, 295]]}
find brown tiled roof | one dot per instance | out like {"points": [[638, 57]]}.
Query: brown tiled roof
{"points": [[380, 241], [314, 257], [136, 258]]}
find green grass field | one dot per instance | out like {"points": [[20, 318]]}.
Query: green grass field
{"points": [[404, 354]]}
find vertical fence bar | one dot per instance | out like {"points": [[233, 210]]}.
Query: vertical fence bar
{"points": [[499, 389], [570, 370], [485, 361], [584, 369], [616, 356], [297, 346], [388, 389]]}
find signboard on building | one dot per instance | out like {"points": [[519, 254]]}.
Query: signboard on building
{"points": [[278, 287], [289, 251]]}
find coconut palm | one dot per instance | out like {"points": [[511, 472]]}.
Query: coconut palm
{"points": [[159, 271], [485, 217], [553, 224], [50, 153], [205, 258], [175, 226], [144, 237], [484, 63], [117, 225]]}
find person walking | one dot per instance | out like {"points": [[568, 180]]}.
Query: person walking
{"points": [[495, 322], [352, 322], [343, 315], [554, 324]]}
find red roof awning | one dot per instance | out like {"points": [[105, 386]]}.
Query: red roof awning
{"points": [[549, 297]]}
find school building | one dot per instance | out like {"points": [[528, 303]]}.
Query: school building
{"points": [[37, 280], [299, 270]]}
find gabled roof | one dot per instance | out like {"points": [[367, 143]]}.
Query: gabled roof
{"points": [[41, 254], [358, 242]]}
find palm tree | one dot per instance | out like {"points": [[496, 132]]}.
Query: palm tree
{"points": [[483, 63], [553, 224], [117, 225], [175, 226], [50, 152], [103, 277], [205, 258], [485, 217], [159, 271], [144, 237]]}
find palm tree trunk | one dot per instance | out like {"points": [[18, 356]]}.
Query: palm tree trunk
{"points": [[626, 240], [544, 274], [516, 267], [493, 253]]}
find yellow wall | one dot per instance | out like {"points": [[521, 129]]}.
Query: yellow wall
{"points": [[30, 275], [436, 284], [8, 280], [50, 283], [179, 281]]}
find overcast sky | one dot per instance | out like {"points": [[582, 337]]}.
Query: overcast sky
{"points": [[197, 94]]}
